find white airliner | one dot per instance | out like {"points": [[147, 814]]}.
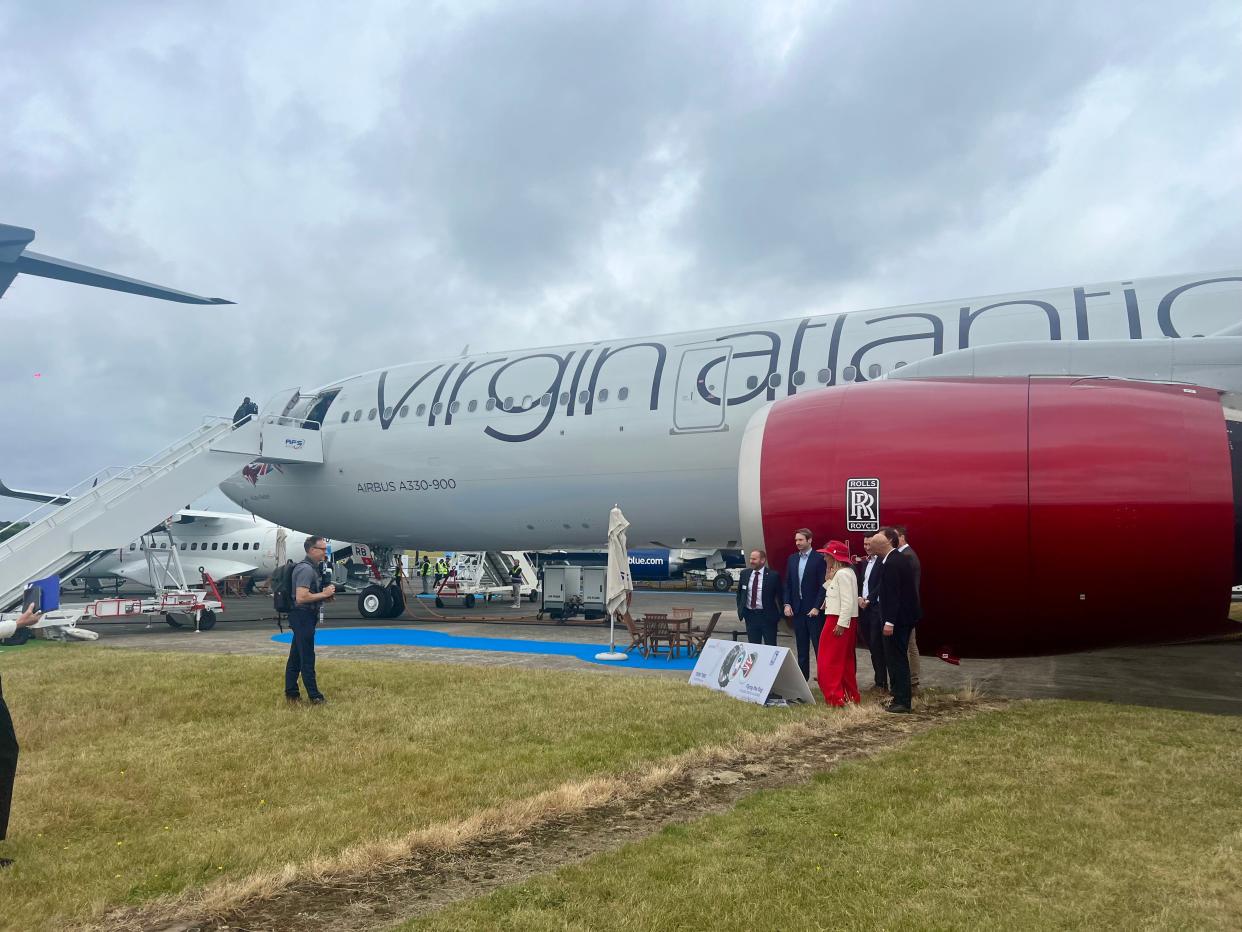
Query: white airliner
{"points": [[736, 436]]}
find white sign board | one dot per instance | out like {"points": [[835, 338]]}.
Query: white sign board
{"points": [[750, 672]]}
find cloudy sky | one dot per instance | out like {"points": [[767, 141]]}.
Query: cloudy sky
{"points": [[380, 182]]}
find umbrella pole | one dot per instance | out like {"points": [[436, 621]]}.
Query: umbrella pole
{"points": [[612, 653]]}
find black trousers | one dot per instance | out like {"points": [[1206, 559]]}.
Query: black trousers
{"points": [[806, 636], [8, 763], [301, 658], [759, 629], [896, 646], [872, 627]]}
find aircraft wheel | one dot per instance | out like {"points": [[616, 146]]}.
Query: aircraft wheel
{"points": [[469, 600], [173, 622], [206, 620], [723, 582], [396, 599], [19, 637], [374, 602]]}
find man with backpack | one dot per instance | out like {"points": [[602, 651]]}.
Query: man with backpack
{"points": [[305, 595]]}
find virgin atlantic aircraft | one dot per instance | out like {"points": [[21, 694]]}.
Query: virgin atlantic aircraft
{"points": [[1054, 453]]}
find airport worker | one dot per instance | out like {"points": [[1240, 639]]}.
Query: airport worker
{"points": [[245, 411], [869, 623], [515, 580], [838, 677], [441, 570], [804, 594], [424, 572], [759, 599], [8, 737], [309, 596], [899, 611], [913, 652]]}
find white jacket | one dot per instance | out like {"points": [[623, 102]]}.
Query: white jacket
{"points": [[841, 596]]}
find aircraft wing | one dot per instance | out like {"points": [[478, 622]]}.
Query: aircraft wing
{"points": [[15, 260], [46, 498]]}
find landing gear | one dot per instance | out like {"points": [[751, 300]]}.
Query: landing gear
{"points": [[396, 599], [375, 602], [723, 582]]}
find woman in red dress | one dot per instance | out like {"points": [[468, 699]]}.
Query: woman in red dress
{"points": [[836, 661]]}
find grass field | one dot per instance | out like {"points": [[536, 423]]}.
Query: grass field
{"points": [[1044, 816], [144, 774]]}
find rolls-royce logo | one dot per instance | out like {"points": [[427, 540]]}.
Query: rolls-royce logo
{"points": [[862, 504]]}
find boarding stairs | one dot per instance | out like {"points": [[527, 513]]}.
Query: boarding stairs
{"points": [[107, 510], [488, 572]]}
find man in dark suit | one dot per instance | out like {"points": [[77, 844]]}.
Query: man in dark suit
{"points": [[804, 595], [900, 612], [869, 622], [759, 600], [903, 545]]}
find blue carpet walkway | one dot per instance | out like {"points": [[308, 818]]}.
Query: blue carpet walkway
{"points": [[405, 637]]}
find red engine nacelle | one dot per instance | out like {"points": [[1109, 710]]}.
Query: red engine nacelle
{"points": [[1049, 514]]}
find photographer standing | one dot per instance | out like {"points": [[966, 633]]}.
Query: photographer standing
{"points": [[8, 737], [309, 594]]}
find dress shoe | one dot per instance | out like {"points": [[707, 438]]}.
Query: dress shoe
{"points": [[894, 707], [319, 700]]}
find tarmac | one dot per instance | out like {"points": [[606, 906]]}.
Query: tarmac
{"points": [[1199, 677]]}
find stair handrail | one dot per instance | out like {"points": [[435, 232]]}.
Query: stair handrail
{"points": [[99, 488]]}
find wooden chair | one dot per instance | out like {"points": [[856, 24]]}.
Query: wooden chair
{"points": [[658, 629], [701, 635], [638, 634]]}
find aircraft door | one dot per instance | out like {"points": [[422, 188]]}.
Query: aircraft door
{"points": [[701, 388]]}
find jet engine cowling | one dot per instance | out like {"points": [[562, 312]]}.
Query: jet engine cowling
{"points": [[1049, 514]]}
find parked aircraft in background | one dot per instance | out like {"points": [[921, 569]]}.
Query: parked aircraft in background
{"points": [[1021, 431]]}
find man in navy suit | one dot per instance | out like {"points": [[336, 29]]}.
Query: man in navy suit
{"points": [[804, 595], [759, 600], [900, 611]]}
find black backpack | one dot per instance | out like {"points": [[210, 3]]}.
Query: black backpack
{"points": [[282, 588]]}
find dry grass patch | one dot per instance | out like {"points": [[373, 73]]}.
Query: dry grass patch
{"points": [[144, 775], [1047, 815]]}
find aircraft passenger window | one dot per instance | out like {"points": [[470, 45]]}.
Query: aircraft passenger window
{"points": [[824, 376], [420, 410], [545, 400], [473, 406], [564, 399], [799, 377], [388, 413], [526, 401], [850, 374], [774, 380], [623, 393], [246, 545], [215, 546], [603, 394], [875, 370], [255, 545], [437, 407], [454, 407], [237, 546], [489, 404], [508, 405], [583, 397], [752, 381], [405, 411], [358, 415], [194, 546], [132, 546], [371, 415], [183, 546], [345, 418], [898, 365]]}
